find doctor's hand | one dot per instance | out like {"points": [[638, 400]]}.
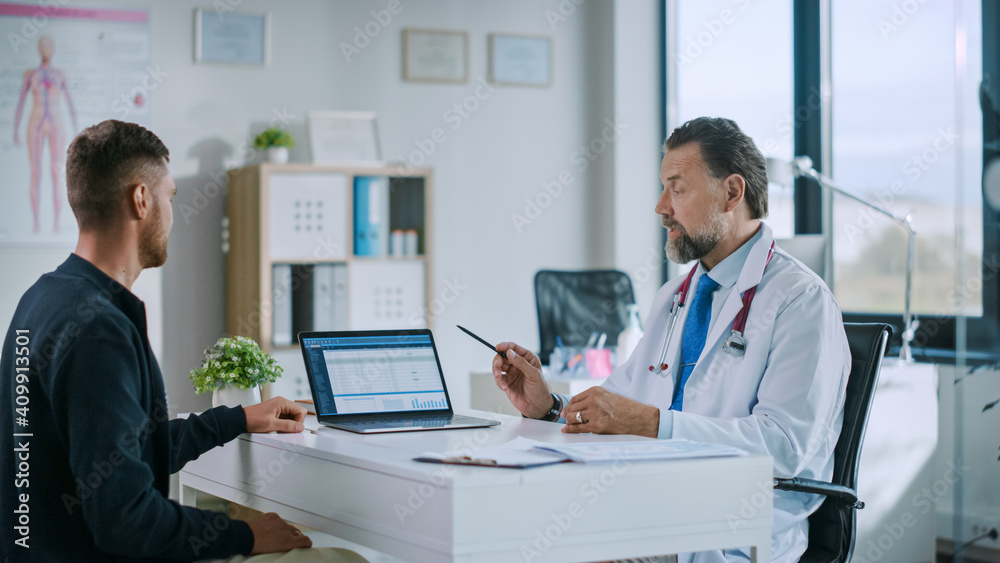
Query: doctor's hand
{"points": [[604, 412], [519, 375], [277, 414]]}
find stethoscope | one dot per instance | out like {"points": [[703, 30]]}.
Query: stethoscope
{"points": [[735, 345]]}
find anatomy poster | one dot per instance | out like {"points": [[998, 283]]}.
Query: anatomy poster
{"points": [[62, 69]]}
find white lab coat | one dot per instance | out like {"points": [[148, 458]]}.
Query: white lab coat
{"points": [[784, 398]]}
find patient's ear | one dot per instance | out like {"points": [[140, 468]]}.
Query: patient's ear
{"points": [[140, 201]]}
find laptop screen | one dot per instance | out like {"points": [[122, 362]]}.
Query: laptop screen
{"points": [[366, 372]]}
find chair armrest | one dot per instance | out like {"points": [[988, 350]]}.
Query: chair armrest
{"points": [[844, 494]]}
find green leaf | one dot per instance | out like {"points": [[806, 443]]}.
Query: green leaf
{"points": [[235, 361]]}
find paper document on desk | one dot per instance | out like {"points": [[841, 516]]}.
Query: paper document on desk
{"points": [[596, 452], [519, 453]]}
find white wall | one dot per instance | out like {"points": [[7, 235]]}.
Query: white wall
{"points": [[638, 80], [606, 68], [514, 141]]}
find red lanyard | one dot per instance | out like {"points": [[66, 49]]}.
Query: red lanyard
{"points": [[741, 318], [739, 324]]}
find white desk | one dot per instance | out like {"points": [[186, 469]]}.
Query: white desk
{"points": [[367, 489]]}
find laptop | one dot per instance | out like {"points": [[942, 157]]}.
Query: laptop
{"points": [[380, 381]]}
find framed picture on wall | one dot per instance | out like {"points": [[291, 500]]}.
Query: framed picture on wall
{"points": [[435, 56], [344, 137], [232, 37], [520, 60]]}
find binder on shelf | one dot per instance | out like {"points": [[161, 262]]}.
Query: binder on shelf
{"points": [[318, 298], [340, 318], [329, 297], [371, 221], [281, 305], [302, 299], [322, 297]]}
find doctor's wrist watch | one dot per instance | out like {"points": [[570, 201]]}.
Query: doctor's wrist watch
{"points": [[553, 413]]}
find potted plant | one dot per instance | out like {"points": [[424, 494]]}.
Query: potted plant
{"points": [[235, 369], [276, 142]]}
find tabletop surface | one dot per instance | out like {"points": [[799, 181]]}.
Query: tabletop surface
{"points": [[394, 452]]}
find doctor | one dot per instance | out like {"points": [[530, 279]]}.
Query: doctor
{"points": [[782, 395]]}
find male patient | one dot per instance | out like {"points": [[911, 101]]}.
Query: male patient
{"points": [[87, 443]]}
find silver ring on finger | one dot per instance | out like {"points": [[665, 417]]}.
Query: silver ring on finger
{"points": [[579, 417]]}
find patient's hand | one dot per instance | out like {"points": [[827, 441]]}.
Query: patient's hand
{"points": [[271, 534], [277, 414]]}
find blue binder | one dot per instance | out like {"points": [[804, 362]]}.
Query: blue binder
{"points": [[367, 216]]}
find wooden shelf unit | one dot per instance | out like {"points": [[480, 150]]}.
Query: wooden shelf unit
{"points": [[254, 195]]}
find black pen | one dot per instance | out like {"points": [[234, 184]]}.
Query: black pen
{"points": [[485, 343]]}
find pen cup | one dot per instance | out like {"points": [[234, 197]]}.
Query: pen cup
{"points": [[598, 362], [576, 364]]}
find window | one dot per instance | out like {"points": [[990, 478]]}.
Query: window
{"points": [[894, 142], [719, 76], [902, 127]]}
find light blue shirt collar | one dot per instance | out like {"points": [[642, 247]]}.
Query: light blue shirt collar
{"points": [[727, 272]]}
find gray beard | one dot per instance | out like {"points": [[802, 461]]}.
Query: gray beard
{"points": [[684, 248]]}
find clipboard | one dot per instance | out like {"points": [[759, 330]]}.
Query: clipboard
{"points": [[486, 462], [519, 453]]}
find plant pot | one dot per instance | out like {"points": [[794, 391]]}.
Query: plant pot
{"points": [[278, 155], [232, 396]]}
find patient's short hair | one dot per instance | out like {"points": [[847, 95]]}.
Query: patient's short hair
{"points": [[103, 161]]}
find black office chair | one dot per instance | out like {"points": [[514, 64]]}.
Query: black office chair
{"points": [[573, 305], [832, 527]]}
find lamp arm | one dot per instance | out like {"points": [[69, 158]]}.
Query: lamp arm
{"points": [[905, 222], [802, 167]]}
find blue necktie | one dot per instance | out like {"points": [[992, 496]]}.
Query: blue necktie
{"points": [[695, 333]]}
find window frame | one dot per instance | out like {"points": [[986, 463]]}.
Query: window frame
{"points": [[936, 338]]}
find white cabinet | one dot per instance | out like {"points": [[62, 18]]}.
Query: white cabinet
{"points": [[296, 236]]}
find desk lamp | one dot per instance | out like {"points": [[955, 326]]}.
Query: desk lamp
{"points": [[784, 173]]}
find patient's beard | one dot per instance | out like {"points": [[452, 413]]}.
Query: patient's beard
{"points": [[153, 241], [684, 248]]}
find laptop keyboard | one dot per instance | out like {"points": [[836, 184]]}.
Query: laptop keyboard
{"points": [[430, 421]]}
